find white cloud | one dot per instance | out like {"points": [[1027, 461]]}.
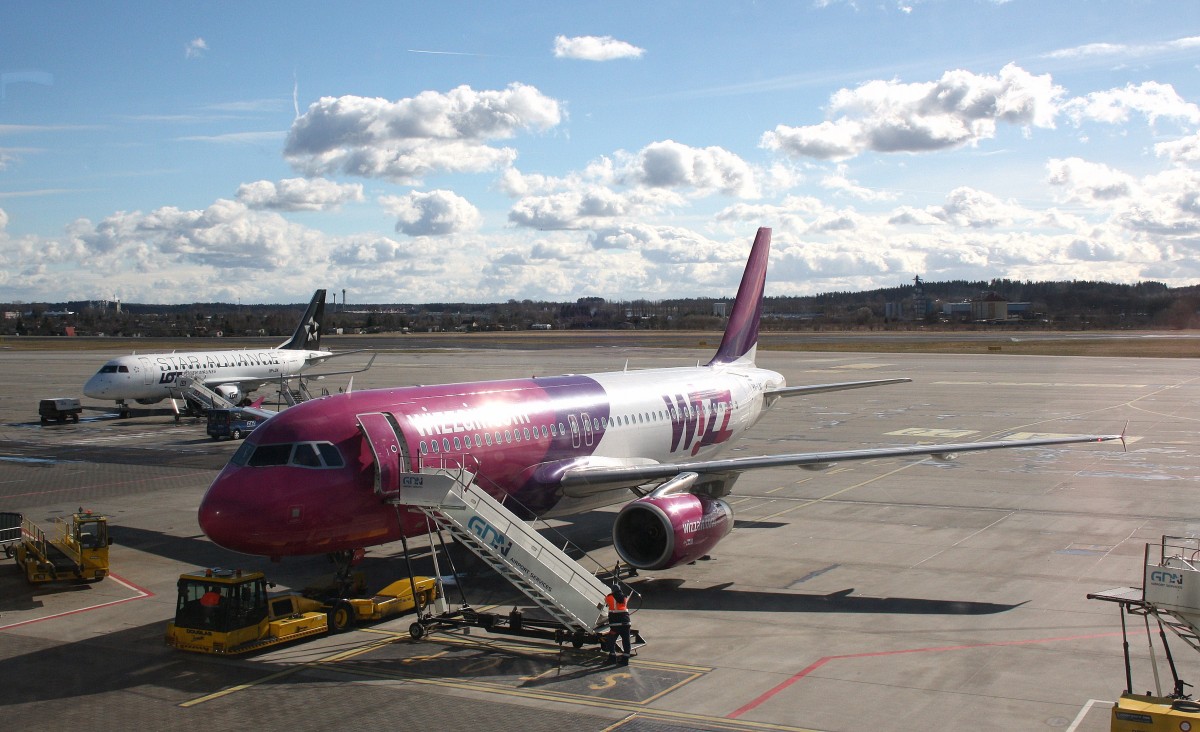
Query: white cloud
{"points": [[436, 213], [1086, 182], [977, 209], [669, 164], [3, 220], [1089, 50], [594, 48], [195, 48], [410, 138], [1151, 99], [1184, 150], [298, 194], [840, 183], [959, 109]]}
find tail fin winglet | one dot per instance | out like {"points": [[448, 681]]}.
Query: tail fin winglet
{"points": [[740, 341]]}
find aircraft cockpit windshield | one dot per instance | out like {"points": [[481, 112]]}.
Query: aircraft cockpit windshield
{"points": [[297, 454], [112, 368]]}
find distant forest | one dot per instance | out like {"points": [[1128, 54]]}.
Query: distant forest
{"points": [[1068, 305]]}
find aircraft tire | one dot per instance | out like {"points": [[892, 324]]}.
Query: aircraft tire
{"points": [[417, 631], [237, 434], [341, 616]]}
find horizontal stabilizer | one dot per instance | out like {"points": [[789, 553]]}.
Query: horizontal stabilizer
{"points": [[790, 391]]}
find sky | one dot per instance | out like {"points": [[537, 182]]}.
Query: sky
{"points": [[482, 152]]}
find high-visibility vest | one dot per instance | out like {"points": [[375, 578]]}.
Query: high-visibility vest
{"points": [[616, 607]]}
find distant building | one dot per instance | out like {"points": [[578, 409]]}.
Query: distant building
{"points": [[989, 306], [719, 309]]}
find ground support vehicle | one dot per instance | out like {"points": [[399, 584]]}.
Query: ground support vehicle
{"points": [[1170, 594], [229, 612], [234, 423], [76, 550], [59, 409]]}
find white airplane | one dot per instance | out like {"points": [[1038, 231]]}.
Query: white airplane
{"points": [[152, 377]]}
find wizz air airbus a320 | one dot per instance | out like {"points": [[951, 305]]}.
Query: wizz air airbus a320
{"points": [[304, 482], [150, 378]]}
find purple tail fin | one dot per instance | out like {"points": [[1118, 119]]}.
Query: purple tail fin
{"points": [[741, 334]]}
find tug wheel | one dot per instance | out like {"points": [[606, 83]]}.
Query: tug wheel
{"points": [[417, 631], [341, 617]]}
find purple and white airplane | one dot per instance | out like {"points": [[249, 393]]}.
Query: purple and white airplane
{"points": [[308, 481]]}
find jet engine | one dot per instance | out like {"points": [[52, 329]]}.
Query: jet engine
{"points": [[230, 391], [662, 531]]}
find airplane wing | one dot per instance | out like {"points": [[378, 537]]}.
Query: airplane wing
{"points": [[588, 479]]}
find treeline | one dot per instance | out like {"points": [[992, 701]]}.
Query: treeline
{"points": [[1065, 304]]}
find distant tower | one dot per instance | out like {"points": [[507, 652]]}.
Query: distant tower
{"points": [[343, 299], [921, 305]]}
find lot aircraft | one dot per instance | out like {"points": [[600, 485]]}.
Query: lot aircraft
{"points": [[151, 377], [305, 481]]}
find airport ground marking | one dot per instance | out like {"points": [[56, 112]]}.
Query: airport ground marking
{"points": [[108, 485], [1084, 712], [141, 593], [770, 693]]}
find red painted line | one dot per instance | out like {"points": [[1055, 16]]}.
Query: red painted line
{"points": [[102, 485], [822, 661], [142, 593]]}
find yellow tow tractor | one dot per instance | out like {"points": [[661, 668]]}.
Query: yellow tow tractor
{"points": [[76, 550], [228, 612]]}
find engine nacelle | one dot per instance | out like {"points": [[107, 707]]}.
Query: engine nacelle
{"points": [[230, 391], [659, 532]]}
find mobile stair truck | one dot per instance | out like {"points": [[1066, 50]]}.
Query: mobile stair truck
{"points": [[76, 549], [1170, 594], [570, 594]]}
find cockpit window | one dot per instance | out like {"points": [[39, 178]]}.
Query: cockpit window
{"points": [[299, 454], [266, 455], [306, 455], [108, 368], [123, 369], [333, 458]]}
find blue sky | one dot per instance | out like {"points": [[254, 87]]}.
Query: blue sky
{"points": [[425, 152]]}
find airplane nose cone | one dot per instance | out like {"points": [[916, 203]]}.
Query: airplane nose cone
{"points": [[219, 518], [94, 388]]}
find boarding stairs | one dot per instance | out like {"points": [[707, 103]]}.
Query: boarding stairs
{"points": [[1170, 590], [196, 393], [299, 393], [547, 575]]}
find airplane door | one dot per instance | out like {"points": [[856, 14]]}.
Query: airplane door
{"points": [[383, 435], [147, 372], [574, 430], [587, 428]]}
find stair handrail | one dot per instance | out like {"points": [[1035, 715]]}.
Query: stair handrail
{"points": [[539, 524]]}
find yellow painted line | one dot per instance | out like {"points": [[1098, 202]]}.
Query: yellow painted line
{"points": [[340, 656], [848, 488]]}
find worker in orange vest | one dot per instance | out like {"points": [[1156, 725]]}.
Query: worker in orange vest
{"points": [[618, 621]]}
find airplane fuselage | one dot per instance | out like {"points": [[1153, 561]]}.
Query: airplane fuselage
{"points": [[312, 469], [153, 377]]}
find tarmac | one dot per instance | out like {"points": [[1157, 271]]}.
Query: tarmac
{"points": [[882, 595]]}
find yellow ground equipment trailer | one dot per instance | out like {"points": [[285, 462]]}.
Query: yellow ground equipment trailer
{"points": [[1170, 594], [76, 549], [228, 612]]}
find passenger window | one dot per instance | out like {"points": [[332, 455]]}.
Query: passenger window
{"points": [[457, 444], [488, 437], [526, 433], [269, 455], [333, 458], [306, 456], [434, 443], [424, 447], [445, 444]]}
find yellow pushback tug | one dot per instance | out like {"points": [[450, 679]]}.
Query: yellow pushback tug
{"points": [[227, 612], [1170, 593]]}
